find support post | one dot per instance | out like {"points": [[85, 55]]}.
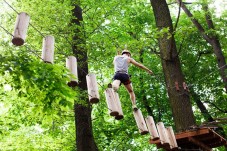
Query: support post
{"points": [[140, 122], [152, 128], [92, 87], [71, 64], [20, 29], [48, 49]]}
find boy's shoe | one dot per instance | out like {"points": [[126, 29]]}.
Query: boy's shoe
{"points": [[134, 107]]}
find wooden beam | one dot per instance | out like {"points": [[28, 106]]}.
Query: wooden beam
{"points": [[200, 144], [192, 133]]}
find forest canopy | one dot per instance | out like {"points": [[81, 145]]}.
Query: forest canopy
{"points": [[36, 104]]}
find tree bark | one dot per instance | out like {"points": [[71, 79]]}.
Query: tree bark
{"points": [[84, 135], [179, 99], [211, 39]]}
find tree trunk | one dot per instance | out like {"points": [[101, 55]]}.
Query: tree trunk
{"points": [[211, 39], [174, 78], [84, 135]]}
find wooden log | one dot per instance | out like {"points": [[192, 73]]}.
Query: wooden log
{"points": [[118, 103], [171, 136], [162, 133], [111, 104], [140, 122], [20, 29], [92, 87], [152, 128], [48, 49], [71, 64]]}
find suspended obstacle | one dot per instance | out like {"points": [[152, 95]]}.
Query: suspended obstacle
{"points": [[48, 49], [113, 103], [20, 29], [158, 133], [71, 64], [152, 128], [204, 138], [140, 122], [92, 87], [118, 103], [162, 134]]}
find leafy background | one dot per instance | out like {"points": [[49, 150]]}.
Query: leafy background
{"points": [[36, 105]]}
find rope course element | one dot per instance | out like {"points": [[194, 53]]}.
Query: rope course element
{"points": [[36, 29], [65, 55], [35, 52]]}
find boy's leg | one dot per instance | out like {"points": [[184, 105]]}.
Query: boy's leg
{"points": [[132, 96], [116, 84]]}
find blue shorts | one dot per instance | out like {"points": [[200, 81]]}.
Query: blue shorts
{"points": [[123, 77]]}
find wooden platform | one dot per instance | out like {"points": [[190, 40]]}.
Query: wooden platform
{"points": [[203, 138]]}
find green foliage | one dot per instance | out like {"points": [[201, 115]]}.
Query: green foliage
{"points": [[36, 105]]}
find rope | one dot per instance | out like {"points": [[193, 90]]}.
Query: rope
{"points": [[6, 31], [11, 7]]}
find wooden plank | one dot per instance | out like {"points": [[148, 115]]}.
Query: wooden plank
{"points": [[205, 138], [192, 133]]}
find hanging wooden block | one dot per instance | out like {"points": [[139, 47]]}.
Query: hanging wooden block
{"points": [[111, 103], [118, 103], [171, 136], [140, 122], [20, 29], [48, 49], [152, 128], [92, 87], [162, 133], [71, 64]]}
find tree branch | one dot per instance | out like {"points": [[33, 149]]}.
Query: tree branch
{"points": [[194, 21], [214, 105]]}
